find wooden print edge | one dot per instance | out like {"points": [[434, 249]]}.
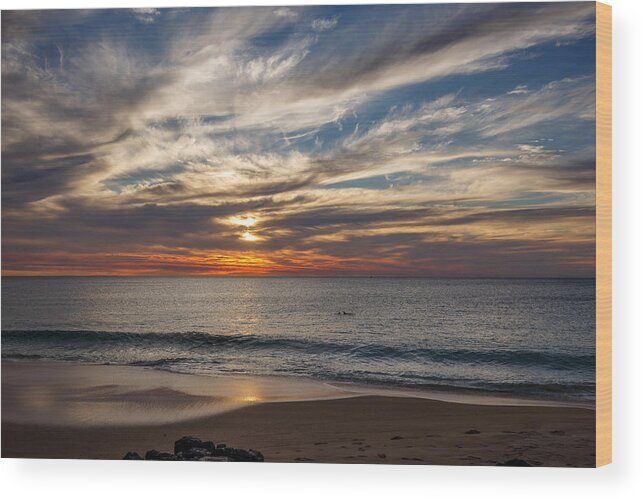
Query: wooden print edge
{"points": [[603, 234]]}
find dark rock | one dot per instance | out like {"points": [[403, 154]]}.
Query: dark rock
{"points": [[472, 432], [239, 455], [216, 459], [194, 449], [194, 454], [187, 443], [515, 462], [154, 455], [397, 437], [132, 456]]}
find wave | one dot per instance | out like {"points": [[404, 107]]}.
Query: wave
{"points": [[201, 342], [21, 356]]}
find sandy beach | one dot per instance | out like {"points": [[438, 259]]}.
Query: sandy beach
{"points": [[333, 426]]}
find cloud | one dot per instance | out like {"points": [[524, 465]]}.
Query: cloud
{"points": [[519, 89], [324, 24], [146, 15], [573, 97], [350, 150], [286, 12]]}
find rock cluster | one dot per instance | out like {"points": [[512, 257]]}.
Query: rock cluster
{"points": [[194, 449]]}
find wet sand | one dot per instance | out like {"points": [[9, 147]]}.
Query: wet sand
{"points": [[107, 405]]}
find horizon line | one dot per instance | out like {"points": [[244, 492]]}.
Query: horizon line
{"points": [[300, 276]]}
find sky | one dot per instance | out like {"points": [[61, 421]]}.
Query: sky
{"points": [[444, 140]]}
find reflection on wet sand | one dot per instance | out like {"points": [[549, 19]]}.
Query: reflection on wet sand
{"points": [[64, 394]]}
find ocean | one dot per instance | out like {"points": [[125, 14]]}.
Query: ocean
{"points": [[528, 338]]}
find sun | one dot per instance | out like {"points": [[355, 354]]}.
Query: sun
{"points": [[247, 236], [246, 222]]}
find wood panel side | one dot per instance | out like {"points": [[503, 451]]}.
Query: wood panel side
{"points": [[603, 234]]}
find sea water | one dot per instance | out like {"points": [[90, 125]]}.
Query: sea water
{"points": [[532, 338]]}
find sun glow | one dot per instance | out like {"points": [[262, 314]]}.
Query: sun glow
{"points": [[247, 236], [250, 398], [243, 221], [246, 223]]}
